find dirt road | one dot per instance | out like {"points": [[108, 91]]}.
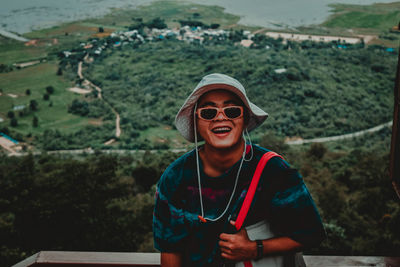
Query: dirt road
{"points": [[339, 137], [88, 83]]}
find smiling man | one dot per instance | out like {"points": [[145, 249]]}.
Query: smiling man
{"points": [[200, 195]]}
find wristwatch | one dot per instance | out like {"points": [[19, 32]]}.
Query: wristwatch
{"points": [[260, 249]]}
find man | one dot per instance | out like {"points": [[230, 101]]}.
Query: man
{"points": [[200, 195]]}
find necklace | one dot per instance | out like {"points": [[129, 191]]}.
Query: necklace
{"points": [[201, 217]]}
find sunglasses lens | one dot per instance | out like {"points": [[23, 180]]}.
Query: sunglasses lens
{"points": [[208, 113], [233, 112]]}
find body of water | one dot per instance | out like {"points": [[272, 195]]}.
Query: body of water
{"points": [[23, 16]]}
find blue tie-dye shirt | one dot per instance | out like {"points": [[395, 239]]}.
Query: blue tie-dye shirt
{"points": [[281, 198]]}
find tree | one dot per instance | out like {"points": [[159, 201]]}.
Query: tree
{"points": [[14, 122], [192, 23], [46, 97], [10, 114], [317, 150], [33, 105], [59, 71], [28, 92], [50, 89], [5, 68], [157, 23], [273, 142], [79, 107], [35, 121], [101, 29]]}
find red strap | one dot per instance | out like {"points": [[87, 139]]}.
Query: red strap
{"points": [[250, 193], [252, 188]]}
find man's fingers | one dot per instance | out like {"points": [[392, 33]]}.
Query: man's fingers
{"points": [[226, 237], [224, 244], [227, 256], [226, 251]]}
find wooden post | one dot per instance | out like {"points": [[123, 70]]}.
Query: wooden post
{"points": [[395, 145]]}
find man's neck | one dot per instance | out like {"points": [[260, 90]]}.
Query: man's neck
{"points": [[217, 161]]}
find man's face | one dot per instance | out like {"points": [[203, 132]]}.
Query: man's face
{"points": [[220, 132]]}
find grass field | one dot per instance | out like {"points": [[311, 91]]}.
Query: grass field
{"points": [[380, 17], [36, 79], [14, 51], [376, 19]]}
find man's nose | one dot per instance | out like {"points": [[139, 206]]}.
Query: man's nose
{"points": [[220, 115]]}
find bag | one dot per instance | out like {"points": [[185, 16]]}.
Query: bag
{"points": [[262, 230]]}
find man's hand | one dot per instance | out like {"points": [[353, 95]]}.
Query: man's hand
{"points": [[237, 247], [171, 259]]}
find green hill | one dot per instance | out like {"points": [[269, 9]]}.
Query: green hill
{"points": [[325, 91]]}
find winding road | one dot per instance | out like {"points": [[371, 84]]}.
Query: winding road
{"points": [[339, 137], [89, 84]]}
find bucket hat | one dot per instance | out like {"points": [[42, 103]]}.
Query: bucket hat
{"points": [[184, 120]]}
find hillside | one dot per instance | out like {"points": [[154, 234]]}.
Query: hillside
{"points": [[323, 90], [310, 89]]}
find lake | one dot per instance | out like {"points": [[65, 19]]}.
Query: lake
{"points": [[23, 16]]}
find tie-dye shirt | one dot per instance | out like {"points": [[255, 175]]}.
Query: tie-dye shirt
{"points": [[281, 198]]}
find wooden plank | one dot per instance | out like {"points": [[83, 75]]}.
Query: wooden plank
{"points": [[112, 258], [335, 261], [79, 258], [66, 258], [28, 261]]}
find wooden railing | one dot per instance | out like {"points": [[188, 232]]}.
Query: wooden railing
{"points": [[78, 258]]}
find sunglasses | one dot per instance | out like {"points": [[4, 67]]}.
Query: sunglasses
{"points": [[230, 112]]}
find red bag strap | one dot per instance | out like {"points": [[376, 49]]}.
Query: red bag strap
{"points": [[250, 193], [252, 188]]}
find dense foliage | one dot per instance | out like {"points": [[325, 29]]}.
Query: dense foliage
{"points": [[105, 202], [322, 90], [101, 203]]}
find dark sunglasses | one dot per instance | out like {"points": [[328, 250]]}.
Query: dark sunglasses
{"points": [[230, 112]]}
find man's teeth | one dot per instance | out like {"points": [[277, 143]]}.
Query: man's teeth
{"points": [[221, 129]]}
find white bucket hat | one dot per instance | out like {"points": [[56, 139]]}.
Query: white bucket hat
{"points": [[184, 119]]}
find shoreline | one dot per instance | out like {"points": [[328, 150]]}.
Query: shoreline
{"points": [[13, 36], [250, 15]]}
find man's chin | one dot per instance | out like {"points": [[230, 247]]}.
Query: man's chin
{"points": [[224, 144]]}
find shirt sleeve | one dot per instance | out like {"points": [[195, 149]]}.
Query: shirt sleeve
{"points": [[294, 212], [170, 223]]}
